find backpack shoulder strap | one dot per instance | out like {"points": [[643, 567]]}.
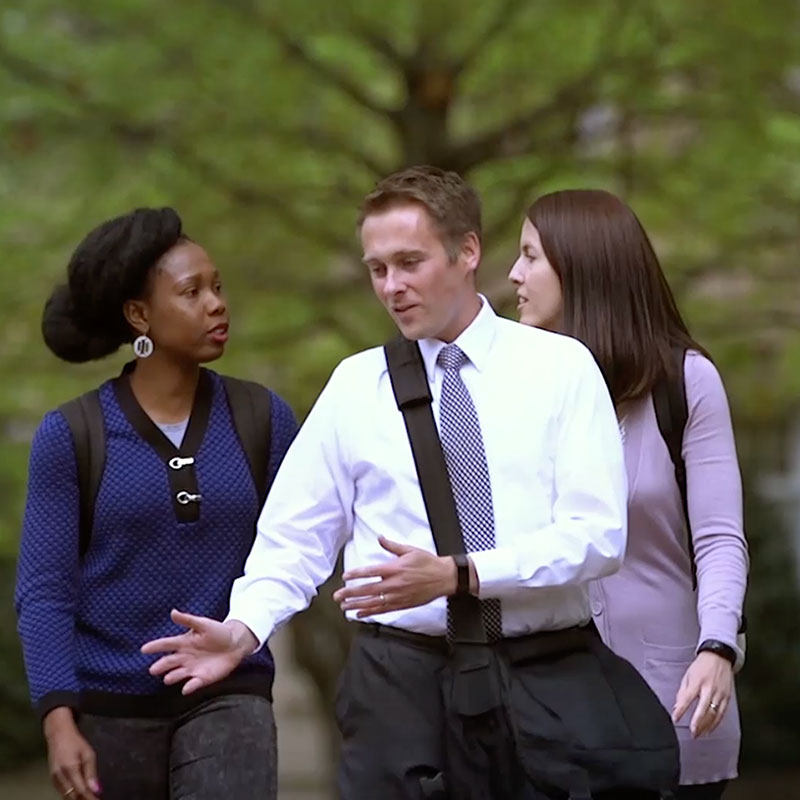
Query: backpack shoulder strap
{"points": [[413, 396], [84, 415], [251, 409], [672, 414]]}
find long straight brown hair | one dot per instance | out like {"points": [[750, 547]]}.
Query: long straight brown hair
{"points": [[616, 299]]}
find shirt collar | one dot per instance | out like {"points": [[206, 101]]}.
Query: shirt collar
{"points": [[475, 341]]}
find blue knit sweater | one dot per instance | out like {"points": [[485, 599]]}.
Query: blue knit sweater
{"points": [[83, 620]]}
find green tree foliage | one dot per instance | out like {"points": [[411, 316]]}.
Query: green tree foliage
{"points": [[265, 121]]}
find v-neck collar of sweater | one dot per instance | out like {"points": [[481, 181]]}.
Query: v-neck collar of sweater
{"points": [[150, 432]]}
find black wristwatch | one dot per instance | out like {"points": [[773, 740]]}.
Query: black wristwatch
{"points": [[720, 648], [462, 573]]}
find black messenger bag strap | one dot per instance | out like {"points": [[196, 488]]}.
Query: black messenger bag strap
{"points": [[413, 396]]}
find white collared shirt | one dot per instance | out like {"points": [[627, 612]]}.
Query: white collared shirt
{"points": [[555, 464]]}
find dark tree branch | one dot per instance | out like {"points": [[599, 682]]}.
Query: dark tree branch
{"points": [[520, 194], [297, 51], [505, 16], [329, 142], [250, 195], [376, 41], [106, 118], [568, 99]]}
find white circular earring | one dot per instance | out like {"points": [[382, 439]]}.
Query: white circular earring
{"points": [[143, 346]]}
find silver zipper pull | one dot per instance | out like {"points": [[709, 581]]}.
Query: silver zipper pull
{"points": [[184, 498], [178, 462]]}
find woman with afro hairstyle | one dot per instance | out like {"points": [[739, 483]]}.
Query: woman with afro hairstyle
{"points": [[173, 521]]}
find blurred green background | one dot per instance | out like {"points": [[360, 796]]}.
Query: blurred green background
{"points": [[264, 123]]}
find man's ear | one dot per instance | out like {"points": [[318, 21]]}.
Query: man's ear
{"points": [[135, 312], [471, 251]]}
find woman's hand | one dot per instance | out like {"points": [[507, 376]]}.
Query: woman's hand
{"points": [[709, 679], [73, 766]]}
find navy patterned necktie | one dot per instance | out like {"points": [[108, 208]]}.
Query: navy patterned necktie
{"points": [[462, 442]]}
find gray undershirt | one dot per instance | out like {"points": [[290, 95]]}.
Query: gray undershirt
{"points": [[174, 431]]}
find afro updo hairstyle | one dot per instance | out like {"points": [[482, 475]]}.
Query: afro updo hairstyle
{"points": [[83, 319]]}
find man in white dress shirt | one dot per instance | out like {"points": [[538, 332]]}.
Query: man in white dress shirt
{"points": [[548, 438]]}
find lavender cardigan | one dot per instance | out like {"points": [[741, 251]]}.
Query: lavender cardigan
{"points": [[648, 612]]}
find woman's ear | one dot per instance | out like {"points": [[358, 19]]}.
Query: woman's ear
{"points": [[136, 316]]}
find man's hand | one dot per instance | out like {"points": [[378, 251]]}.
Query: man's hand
{"points": [[73, 767], [413, 579], [710, 680], [208, 652]]}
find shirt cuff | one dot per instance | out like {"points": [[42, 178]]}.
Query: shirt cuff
{"points": [[497, 570], [261, 629]]}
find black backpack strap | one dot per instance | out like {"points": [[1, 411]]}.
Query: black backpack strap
{"points": [[84, 415], [251, 409], [669, 401], [413, 396]]}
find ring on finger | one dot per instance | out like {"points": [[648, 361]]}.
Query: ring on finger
{"points": [[69, 792], [714, 707], [383, 598]]}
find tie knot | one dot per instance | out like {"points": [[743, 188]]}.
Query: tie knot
{"points": [[451, 357]]}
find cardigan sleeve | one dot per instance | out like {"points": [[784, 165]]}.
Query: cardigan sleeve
{"points": [[48, 568], [714, 490]]}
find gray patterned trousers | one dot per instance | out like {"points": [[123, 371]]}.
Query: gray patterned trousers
{"points": [[225, 747]]}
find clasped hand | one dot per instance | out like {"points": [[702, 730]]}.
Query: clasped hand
{"points": [[412, 579]]}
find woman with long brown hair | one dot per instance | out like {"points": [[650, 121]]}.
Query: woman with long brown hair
{"points": [[587, 269]]}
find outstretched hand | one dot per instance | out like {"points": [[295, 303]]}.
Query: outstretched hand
{"points": [[412, 579], [208, 652]]}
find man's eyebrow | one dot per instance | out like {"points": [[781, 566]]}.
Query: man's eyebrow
{"points": [[396, 254]]}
